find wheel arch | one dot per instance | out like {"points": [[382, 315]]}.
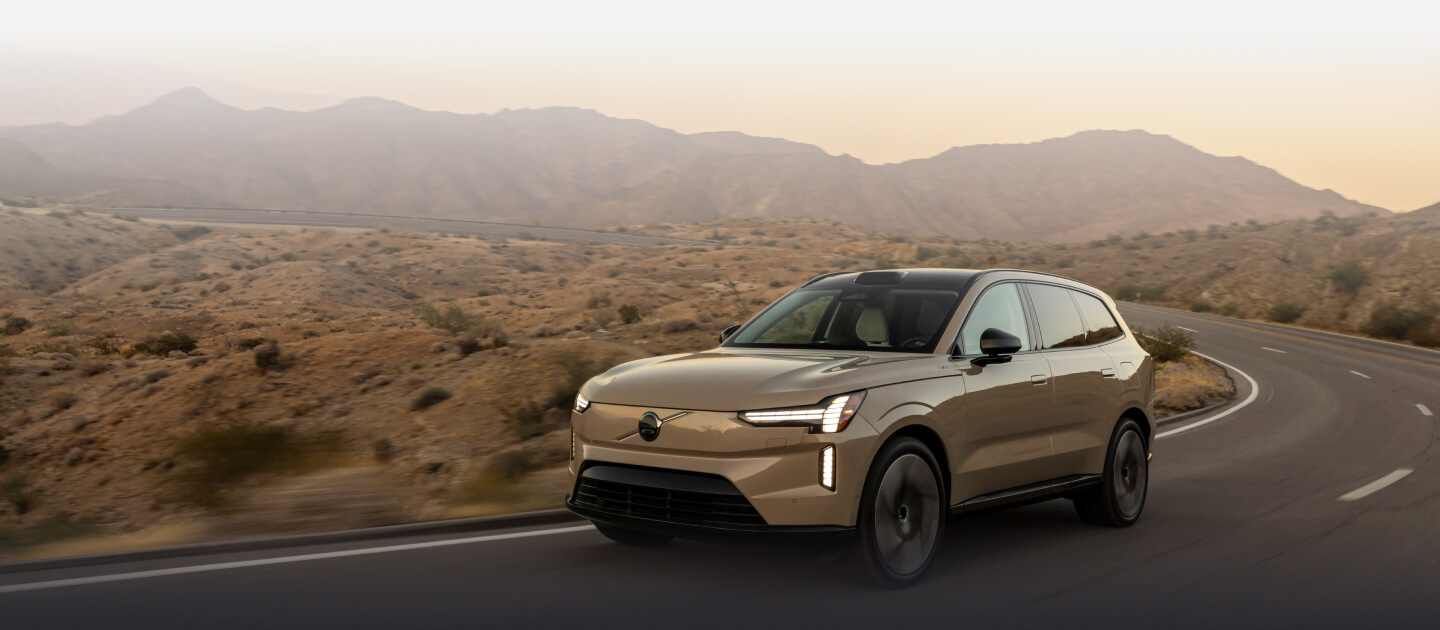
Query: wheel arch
{"points": [[1140, 418], [932, 440]]}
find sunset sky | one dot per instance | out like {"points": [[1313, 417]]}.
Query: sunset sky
{"points": [[1334, 95]]}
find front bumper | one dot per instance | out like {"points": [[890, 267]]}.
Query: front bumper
{"points": [[774, 469]]}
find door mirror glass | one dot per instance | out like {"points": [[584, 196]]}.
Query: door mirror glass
{"points": [[995, 342], [725, 334]]}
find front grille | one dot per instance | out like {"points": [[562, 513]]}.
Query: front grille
{"points": [[625, 492]]}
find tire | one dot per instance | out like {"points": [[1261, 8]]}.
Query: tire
{"points": [[1120, 497], [902, 514], [632, 537]]}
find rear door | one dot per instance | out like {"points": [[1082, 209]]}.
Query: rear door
{"points": [[1085, 387]]}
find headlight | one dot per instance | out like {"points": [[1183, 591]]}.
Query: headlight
{"points": [[830, 416], [581, 404]]}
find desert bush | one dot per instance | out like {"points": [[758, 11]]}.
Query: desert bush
{"points": [[61, 397], [164, 343], [429, 397], [59, 329], [1349, 276], [575, 370], [7, 352], [1166, 343], [598, 301], [678, 325], [226, 452], [1393, 320], [92, 367], [1140, 292], [250, 344], [105, 345], [629, 313], [191, 233], [156, 376], [526, 418], [1285, 312], [1201, 305], [926, 253], [269, 357], [18, 492], [455, 320], [14, 325]]}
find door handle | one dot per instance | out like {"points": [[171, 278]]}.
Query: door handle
{"points": [[1107, 372], [1039, 379]]}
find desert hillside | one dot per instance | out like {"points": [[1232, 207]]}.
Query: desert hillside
{"points": [[222, 381], [566, 166]]}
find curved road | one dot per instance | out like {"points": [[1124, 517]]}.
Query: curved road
{"points": [[1293, 511]]}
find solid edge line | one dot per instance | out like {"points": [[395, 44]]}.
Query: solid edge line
{"points": [[1274, 350], [1360, 375], [1423, 409], [269, 543], [1254, 393], [139, 575], [1375, 486]]}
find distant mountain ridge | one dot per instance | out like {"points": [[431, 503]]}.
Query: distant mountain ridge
{"points": [[569, 166]]}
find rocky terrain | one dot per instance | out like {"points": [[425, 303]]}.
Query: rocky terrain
{"points": [[574, 167], [178, 382]]}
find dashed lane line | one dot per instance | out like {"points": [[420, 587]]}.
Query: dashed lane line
{"points": [[1359, 374], [1375, 486]]}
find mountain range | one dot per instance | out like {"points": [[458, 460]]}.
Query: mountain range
{"points": [[568, 166]]}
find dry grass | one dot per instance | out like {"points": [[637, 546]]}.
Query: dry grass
{"points": [[1188, 384]]}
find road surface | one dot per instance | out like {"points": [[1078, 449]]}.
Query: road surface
{"points": [[1312, 506]]}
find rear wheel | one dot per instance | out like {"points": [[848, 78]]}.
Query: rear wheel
{"points": [[902, 514], [632, 537], [1120, 497]]}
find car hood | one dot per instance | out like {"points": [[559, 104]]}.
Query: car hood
{"points": [[737, 380]]}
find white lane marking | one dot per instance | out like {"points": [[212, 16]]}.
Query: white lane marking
{"points": [[1375, 486], [1423, 409], [1254, 393], [1189, 329], [1274, 350], [1359, 374], [138, 575]]}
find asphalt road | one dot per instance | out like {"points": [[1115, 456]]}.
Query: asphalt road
{"points": [[1245, 527], [375, 221]]}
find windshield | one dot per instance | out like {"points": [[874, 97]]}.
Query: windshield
{"points": [[889, 319]]}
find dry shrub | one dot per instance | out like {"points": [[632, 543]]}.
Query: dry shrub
{"points": [[61, 398], [429, 397], [223, 453], [671, 326], [1188, 384], [1166, 343], [164, 343]]}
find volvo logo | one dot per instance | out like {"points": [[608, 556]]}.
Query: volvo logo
{"points": [[650, 426]]}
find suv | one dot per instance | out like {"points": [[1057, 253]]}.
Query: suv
{"points": [[872, 405]]}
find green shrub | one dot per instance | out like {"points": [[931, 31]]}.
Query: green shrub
{"points": [[18, 493], [1393, 320], [1349, 276], [598, 301], [1285, 312], [629, 313], [1166, 343], [454, 319], [164, 343]]}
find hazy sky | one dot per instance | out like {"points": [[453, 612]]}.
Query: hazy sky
{"points": [[1333, 95]]}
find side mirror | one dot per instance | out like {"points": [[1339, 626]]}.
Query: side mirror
{"points": [[725, 334], [995, 342]]}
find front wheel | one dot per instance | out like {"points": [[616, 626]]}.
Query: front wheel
{"points": [[902, 514], [1120, 497]]}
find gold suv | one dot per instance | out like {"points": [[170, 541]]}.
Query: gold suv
{"points": [[873, 405]]}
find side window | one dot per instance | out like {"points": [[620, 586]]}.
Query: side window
{"points": [[1060, 325], [1100, 325], [999, 307]]}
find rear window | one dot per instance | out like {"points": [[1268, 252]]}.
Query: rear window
{"points": [[1060, 324], [1100, 325]]}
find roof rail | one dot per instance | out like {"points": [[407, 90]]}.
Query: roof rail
{"points": [[828, 275]]}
